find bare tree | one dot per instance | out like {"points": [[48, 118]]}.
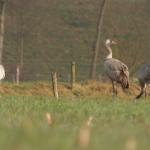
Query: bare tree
{"points": [[98, 37], [2, 18], [147, 6], [21, 40], [20, 9]]}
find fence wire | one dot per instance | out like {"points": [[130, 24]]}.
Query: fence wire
{"points": [[40, 71]]}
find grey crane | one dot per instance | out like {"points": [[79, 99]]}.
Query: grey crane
{"points": [[116, 70], [143, 76]]}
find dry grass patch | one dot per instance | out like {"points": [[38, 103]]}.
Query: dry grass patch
{"points": [[85, 89]]}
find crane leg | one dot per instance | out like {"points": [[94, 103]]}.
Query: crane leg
{"points": [[114, 88], [143, 90]]}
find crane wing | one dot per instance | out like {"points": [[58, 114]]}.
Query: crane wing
{"points": [[117, 71], [115, 66], [143, 73]]}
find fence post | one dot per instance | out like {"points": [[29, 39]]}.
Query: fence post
{"points": [[73, 74], [13, 78], [54, 84], [17, 75]]}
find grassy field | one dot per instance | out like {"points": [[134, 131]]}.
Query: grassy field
{"points": [[117, 123]]}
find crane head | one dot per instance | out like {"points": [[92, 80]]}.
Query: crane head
{"points": [[109, 41]]}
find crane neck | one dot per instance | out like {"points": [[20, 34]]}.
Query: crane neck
{"points": [[109, 51]]}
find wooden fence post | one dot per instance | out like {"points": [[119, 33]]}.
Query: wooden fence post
{"points": [[73, 74], [54, 84], [17, 75]]}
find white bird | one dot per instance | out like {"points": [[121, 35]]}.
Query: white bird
{"points": [[116, 70], [143, 76], [2, 72]]}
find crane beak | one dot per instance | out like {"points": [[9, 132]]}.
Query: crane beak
{"points": [[114, 42]]}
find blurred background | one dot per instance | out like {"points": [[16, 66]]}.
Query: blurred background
{"points": [[42, 36]]}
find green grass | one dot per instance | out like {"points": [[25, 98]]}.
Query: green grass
{"points": [[23, 125]]}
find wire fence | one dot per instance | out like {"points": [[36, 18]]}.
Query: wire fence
{"points": [[34, 71]]}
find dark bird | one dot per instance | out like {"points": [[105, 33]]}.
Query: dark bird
{"points": [[116, 70], [143, 76]]}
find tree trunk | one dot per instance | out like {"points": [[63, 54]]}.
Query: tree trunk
{"points": [[147, 7], [98, 37], [21, 52], [2, 18]]}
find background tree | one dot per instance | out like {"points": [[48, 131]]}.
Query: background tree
{"points": [[98, 38], [2, 18], [148, 6]]}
